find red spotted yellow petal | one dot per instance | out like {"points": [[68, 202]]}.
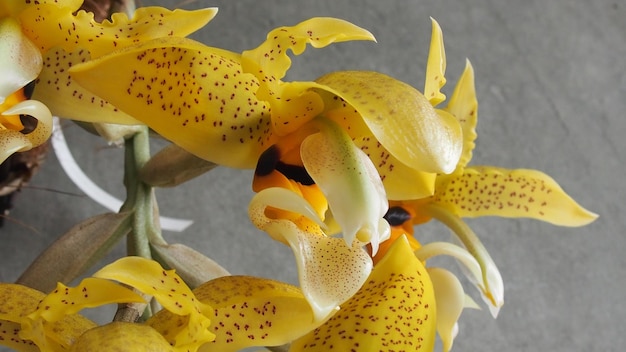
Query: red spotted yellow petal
{"points": [[20, 60], [393, 311], [249, 312], [436, 66], [293, 104], [329, 270], [38, 111], [12, 142], [68, 99], [464, 106], [169, 290], [194, 95], [401, 119], [491, 191], [48, 25], [122, 336]]}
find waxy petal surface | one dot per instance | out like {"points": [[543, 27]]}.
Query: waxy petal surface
{"points": [[394, 310], [450, 299], [349, 181], [191, 94], [491, 191], [401, 119], [249, 312], [329, 270], [20, 61]]}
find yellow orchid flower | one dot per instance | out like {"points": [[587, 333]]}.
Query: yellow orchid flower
{"points": [[394, 310], [472, 192], [65, 36]]}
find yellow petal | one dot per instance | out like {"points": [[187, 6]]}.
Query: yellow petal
{"points": [[249, 312], [401, 119], [191, 94], [349, 181], [491, 191], [49, 25], [169, 290], [68, 99], [292, 103], [330, 271], [450, 299], [20, 61], [9, 336], [395, 308], [436, 66], [464, 106]]}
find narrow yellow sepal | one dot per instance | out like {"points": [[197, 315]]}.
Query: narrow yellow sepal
{"points": [[491, 191], [436, 66]]}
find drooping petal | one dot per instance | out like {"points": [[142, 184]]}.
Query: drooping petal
{"points": [[395, 308], [169, 290], [191, 94], [450, 299], [433, 249], [20, 60], [329, 271], [349, 181], [49, 25], [67, 98], [292, 103], [464, 106], [491, 191], [249, 312], [401, 119], [436, 67]]}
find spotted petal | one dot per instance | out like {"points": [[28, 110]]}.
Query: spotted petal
{"points": [[330, 271], [192, 94], [38, 111], [395, 308], [17, 303], [292, 103], [491, 191], [436, 66], [20, 61], [249, 312], [50, 25], [401, 119], [169, 290]]}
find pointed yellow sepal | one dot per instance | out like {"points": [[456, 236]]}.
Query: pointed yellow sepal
{"points": [[436, 67], [491, 191], [395, 307]]}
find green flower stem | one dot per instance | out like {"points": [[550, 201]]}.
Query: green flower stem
{"points": [[139, 197]]}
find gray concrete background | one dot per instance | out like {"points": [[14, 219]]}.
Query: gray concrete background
{"points": [[551, 84]]}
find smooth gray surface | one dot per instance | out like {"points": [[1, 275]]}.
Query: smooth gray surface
{"points": [[551, 83]]}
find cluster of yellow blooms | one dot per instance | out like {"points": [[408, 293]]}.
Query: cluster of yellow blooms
{"points": [[356, 153]]}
